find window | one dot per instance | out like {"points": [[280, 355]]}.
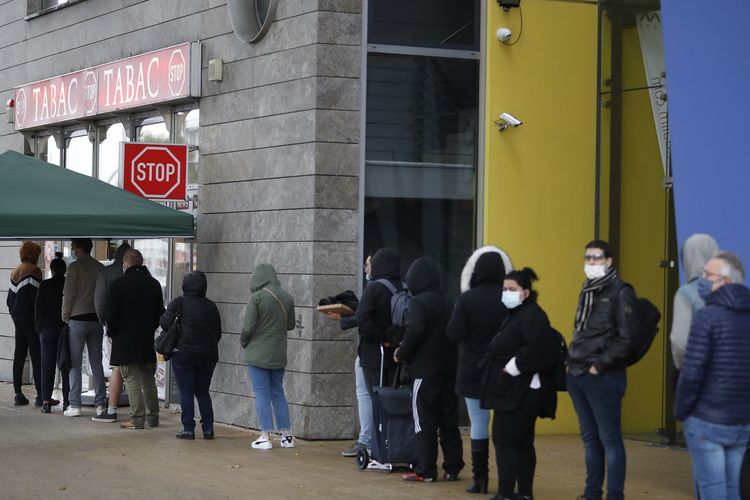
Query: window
{"points": [[36, 8], [109, 153], [421, 158], [446, 24]]}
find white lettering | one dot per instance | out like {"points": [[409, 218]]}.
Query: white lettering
{"points": [[107, 78], [72, 99], [118, 88], [151, 92], [62, 109], [45, 108], [171, 170], [140, 172], [140, 83], [53, 100], [130, 85], [35, 93], [176, 72]]}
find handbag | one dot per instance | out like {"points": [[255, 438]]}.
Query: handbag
{"points": [[166, 342]]}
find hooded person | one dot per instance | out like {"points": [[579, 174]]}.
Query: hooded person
{"points": [[373, 316], [431, 359], [477, 317], [689, 298], [107, 276], [268, 316], [196, 354], [24, 284]]}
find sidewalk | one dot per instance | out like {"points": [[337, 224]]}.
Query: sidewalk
{"points": [[51, 456]]}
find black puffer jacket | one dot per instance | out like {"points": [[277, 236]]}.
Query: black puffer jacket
{"points": [[134, 307], [605, 342], [425, 348], [374, 310], [48, 306], [477, 317], [525, 336], [200, 320]]}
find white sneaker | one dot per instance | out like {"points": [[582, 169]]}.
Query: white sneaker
{"points": [[287, 442], [262, 443], [72, 412]]}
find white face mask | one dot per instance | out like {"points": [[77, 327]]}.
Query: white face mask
{"points": [[594, 271], [368, 277], [512, 299]]}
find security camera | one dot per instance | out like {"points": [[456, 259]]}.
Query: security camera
{"points": [[510, 120], [504, 34]]}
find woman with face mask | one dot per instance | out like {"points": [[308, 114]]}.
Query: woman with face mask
{"points": [[518, 384]]}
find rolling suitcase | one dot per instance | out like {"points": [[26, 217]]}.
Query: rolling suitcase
{"points": [[394, 441]]}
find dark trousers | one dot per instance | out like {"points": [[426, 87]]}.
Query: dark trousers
{"points": [[194, 379], [513, 437], [27, 342], [435, 406], [598, 403], [48, 339]]}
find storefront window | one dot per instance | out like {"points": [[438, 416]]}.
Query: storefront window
{"points": [[49, 151], [153, 130], [421, 159], [79, 155], [109, 154]]}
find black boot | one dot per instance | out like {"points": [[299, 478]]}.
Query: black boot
{"points": [[480, 449]]}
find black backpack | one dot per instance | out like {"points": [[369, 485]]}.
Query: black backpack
{"points": [[399, 307], [559, 375], [647, 320]]}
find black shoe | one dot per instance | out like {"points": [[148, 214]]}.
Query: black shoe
{"points": [[185, 435], [46, 408], [478, 486], [38, 402], [498, 496], [353, 450], [54, 402], [450, 476], [208, 435], [20, 400], [524, 497]]}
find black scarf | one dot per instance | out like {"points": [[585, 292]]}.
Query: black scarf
{"points": [[586, 299]]}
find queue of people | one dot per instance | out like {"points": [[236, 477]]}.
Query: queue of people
{"points": [[495, 348]]}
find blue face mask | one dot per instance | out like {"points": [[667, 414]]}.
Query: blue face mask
{"points": [[704, 288]]}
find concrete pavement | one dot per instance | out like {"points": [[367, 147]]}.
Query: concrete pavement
{"points": [[51, 456]]}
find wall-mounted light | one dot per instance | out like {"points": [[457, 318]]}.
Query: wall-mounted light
{"points": [[10, 110], [507, 4], [215, 70], [507, 120]]}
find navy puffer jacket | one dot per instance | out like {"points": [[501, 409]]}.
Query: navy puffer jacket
{"points": [[715, 376], [200, 320]]}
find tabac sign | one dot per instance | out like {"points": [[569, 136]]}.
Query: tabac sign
{"points": [[155, 77]]}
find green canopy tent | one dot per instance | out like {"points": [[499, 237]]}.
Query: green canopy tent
{"points": [[42, 201]]}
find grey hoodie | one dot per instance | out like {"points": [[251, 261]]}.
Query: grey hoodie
{"points": [[696, 251], [104, 281]]}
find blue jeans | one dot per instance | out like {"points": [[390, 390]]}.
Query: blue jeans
{"points": [[716, 451], [480, 419], [364, 406], [598, 403], [193, 379], [268, 387]]}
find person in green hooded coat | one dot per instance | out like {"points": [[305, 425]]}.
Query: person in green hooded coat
{"points": [[268, 316]]}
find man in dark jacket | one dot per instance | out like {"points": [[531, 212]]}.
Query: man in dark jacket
{"points": [[133, 311], [107, 276], [374, 318], [596, 380], [431, 360], [24, 283], [712, 393]]}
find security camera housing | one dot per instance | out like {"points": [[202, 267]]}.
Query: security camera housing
{"points": [[510, 120]]}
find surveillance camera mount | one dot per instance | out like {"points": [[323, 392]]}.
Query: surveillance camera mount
{"points": [[507, 120]]}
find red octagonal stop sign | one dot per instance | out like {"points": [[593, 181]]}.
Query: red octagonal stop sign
{"points": [[154, 171]]}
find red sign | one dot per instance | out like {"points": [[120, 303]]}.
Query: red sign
{"points": [[154, 171], [151, 78]]}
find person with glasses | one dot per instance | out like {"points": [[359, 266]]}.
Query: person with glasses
{"points": [[712, 395], [604, 323]]}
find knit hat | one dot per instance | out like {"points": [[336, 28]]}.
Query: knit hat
{"points": [[30, 251]]}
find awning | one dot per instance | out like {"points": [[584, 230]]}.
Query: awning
{"points": [[46, 202]]}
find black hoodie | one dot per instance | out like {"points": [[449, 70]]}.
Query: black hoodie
{"points": [[477, 317], [200, 320], [426, 348], [374, 310]]}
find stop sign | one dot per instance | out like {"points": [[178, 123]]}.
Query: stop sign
{"points": [[154, 171]]}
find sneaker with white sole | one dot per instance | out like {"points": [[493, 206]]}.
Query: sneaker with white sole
{"points": [[105, 417], [72, 412], [262, 443], [286, 442]]}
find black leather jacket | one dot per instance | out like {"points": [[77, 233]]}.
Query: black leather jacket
{"points": [[605, 342]]}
